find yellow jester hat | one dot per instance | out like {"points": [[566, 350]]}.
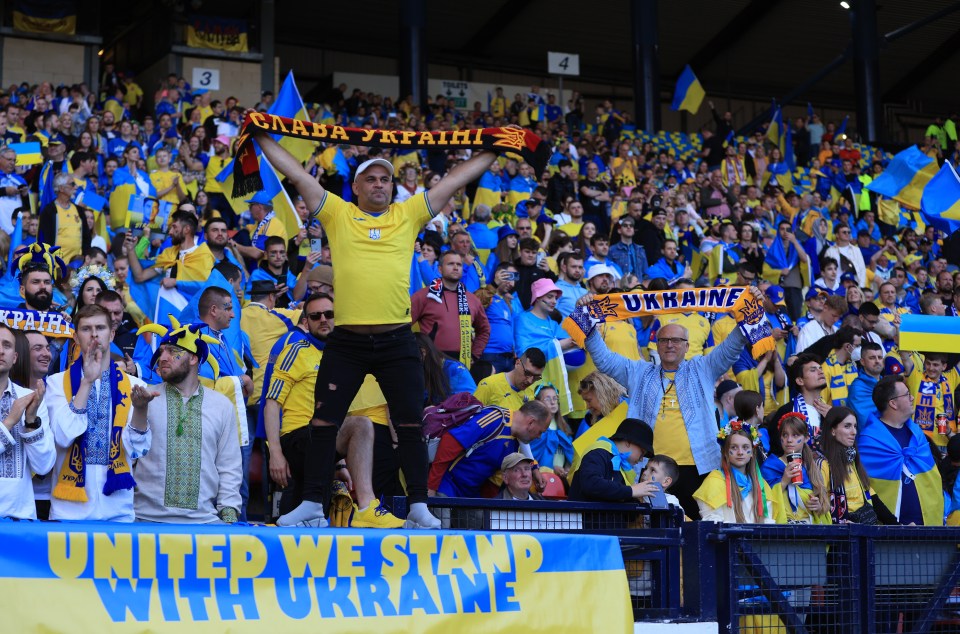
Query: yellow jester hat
{"points": [[187, 337]]}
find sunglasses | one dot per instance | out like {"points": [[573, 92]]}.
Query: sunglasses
{"points": [[328, 314]]}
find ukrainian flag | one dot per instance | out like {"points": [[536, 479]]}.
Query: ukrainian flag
{"points": [[520, 189], [27, 153], [488, 190], [289, 104], [689, 93], [45, 16], [927, 333], [905, 177], [940, 202], [781, 173], [775, 129], [886, 462], [282, 205], [842, 128]]}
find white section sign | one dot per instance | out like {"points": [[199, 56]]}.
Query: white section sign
{"points": [[208, 78], [563, 64]]}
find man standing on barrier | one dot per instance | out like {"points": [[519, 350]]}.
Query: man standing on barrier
{"points": [[373, 334]]}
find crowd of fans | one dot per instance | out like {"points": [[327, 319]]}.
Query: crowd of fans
{"points": [[806, 434]]}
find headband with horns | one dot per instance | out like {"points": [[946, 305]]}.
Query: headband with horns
{"points": [[187, 337], [39, 257]]}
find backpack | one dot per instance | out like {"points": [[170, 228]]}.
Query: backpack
{"points": [[453, 412]]}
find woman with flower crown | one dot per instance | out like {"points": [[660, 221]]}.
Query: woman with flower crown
{"points": [[736, 494]]}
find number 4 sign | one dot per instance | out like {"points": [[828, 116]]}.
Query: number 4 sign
{"points": [[563, 63], [208, 78]]}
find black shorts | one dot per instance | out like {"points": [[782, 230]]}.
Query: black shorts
{"points": [[393, 358]]}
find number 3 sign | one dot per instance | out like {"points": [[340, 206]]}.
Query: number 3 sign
{"points": [[208, 78]]}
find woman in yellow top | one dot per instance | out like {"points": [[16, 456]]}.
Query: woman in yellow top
{"points": [[844, 475], [624, 166], [736, 494]]}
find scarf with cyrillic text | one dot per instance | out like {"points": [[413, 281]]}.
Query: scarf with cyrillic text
{"points": [[72, 481], [246, 168], [747, 311], [435, 292], [48, 323]]}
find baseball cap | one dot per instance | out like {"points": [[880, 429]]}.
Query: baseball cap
{"points": [[602, 269], [848, 277], [775, 294], [814, 291], [223, 138], [368, 164], [513, 459], [262, 198]]}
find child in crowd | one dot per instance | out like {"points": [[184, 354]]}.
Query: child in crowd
{"points": [[664, 470], [736, 494], [606, 471], [806, 501]]}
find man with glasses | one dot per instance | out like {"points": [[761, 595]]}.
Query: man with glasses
{"points": [[511, 389], [898, 459], [674, 397], [289, 398], [848, 255], [625, 253]]}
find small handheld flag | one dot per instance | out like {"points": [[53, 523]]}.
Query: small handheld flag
{"points": [[689, 93]]}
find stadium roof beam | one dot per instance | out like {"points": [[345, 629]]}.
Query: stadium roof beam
{"points": [[499, 21], [923, 69], [731, 33]]}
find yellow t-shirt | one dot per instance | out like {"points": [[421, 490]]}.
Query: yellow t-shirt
{"points": [[496, 390], [69, 232], [670, 434], [162, 180], [851, 486], [932, 398], [292, 386], [214, 166], [621, 338], [134, 92], [572, 229], [377, 291], [698, 330], [265, 328], [273, 228]]}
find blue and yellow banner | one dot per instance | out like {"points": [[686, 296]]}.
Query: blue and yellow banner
{"points": [[905, 177], [940, 201], [136, 578], [45, 16], [221, 34]]}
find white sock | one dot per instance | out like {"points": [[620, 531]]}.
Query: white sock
{"points": [[307, 511], [420, 514]]}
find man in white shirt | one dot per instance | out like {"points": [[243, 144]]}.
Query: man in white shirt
{"points": [[193, 471], [834, 307], [848, 254], [98, 416], [26, 442]]}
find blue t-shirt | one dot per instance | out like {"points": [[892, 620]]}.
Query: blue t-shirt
{"points": [[529, 331], [500, 316], [910, 510]]}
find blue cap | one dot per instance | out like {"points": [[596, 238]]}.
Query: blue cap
{"points": [[520, 211], [505, 231], [775, 294], [813, 292], [262, 198], [848, 277], [171, 133]]}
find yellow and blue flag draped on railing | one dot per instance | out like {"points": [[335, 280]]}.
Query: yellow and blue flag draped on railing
{"points": [[906, 176], [940, 202], [27, 153], [45, 16], [289, 104], [688, 94], [887, 464]]}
